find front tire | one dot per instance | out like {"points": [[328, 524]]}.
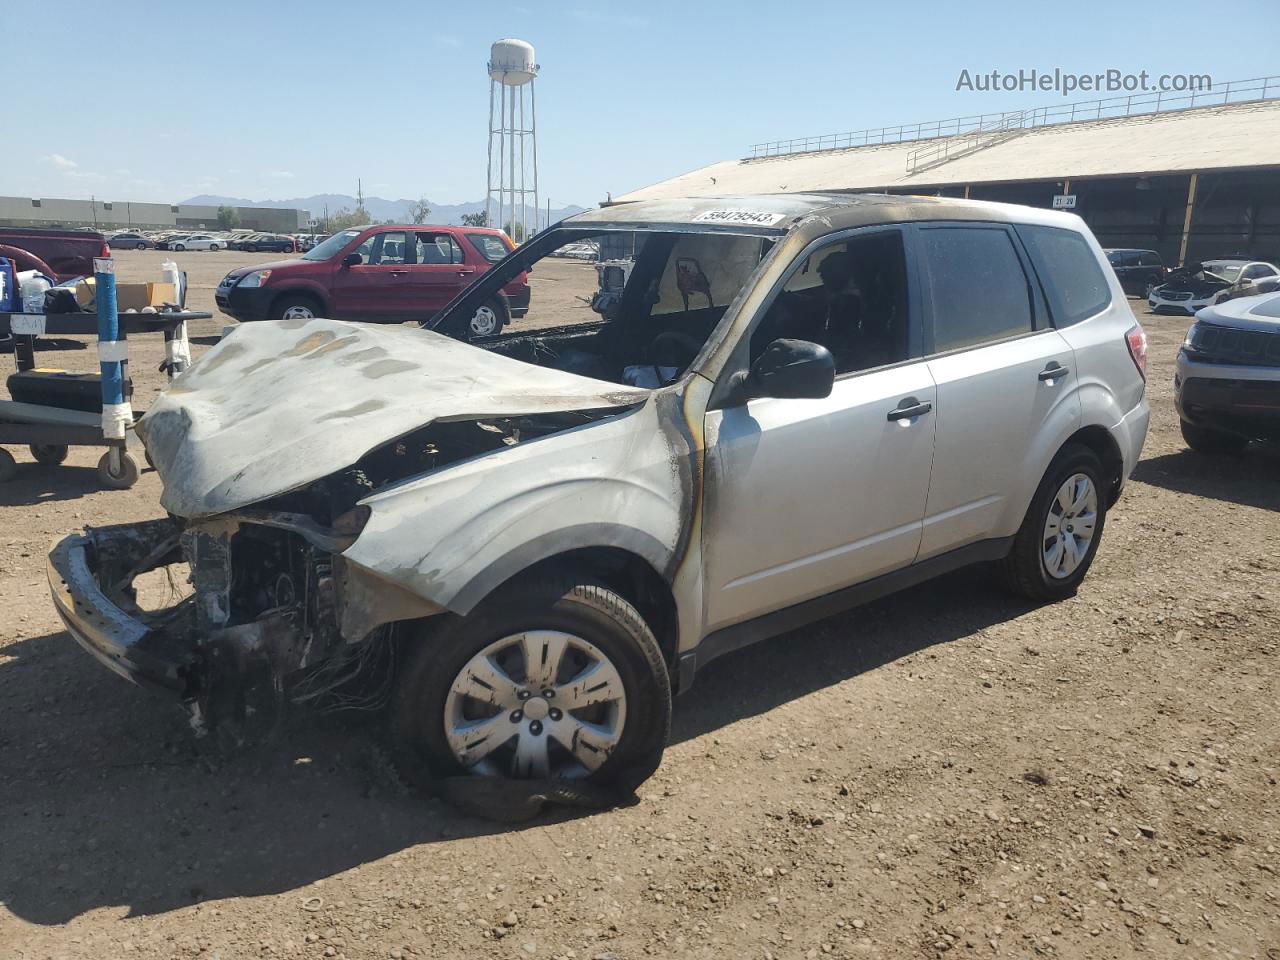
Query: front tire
{"points": [[1213, 442], [295, 306], [1059, 536], [178, 247], [548, 680]]}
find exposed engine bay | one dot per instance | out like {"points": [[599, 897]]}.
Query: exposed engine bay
{"points": [[265, 611]]}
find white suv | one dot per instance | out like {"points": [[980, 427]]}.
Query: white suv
{"points": [[795, 404]]}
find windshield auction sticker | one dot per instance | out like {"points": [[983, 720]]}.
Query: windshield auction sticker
{"points": [[753, 217]]}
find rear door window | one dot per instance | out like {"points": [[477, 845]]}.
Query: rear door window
{"points": [[1073, 282], [438, 248], [978, 288]]}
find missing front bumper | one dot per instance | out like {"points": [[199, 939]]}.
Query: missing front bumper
{"points": [[79, 567]]}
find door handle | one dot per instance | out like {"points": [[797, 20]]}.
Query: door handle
{"points": [[466, 272], [908, 408], [397, 273], [1053, 371]]}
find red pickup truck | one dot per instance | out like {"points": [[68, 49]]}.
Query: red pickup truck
{"points": [[61, 254], [386, 273]]}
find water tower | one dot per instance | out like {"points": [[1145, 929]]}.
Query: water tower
{"points": [[513, 146]]}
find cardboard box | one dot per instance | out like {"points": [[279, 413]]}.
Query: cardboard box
{"points": [[129, 296]]}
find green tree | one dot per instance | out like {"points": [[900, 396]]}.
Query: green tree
{"points": [[344, 219], [478, 219], [228, 218], [420, 210], [514, 231]]}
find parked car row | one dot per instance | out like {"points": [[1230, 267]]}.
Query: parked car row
{"points": [[250, 242]]}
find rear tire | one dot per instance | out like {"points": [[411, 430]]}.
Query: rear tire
{"points": [[1048, 527], [8, 466], [1213, 442], [488, 320], [423, 712]]}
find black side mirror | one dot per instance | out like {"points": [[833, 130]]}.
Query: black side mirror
{"points": [[788, 369], [352, 260]]}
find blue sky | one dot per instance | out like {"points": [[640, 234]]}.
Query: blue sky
{"points": [[151, 101]]}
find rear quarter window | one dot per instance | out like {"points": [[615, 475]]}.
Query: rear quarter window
{"points": [[1074, 283], [488, 246]]}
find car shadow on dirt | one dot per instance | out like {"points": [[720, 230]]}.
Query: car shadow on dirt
{"points": [[1251, 479], [776, 671], [104, 802], [37, 483]]}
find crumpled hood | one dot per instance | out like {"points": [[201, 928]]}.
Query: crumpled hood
{"points": [[278, 405]]}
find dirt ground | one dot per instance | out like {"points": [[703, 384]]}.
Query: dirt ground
{"points": [[947, 771]]}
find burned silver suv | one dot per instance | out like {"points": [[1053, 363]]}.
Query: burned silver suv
{"points": [[788, 405]]}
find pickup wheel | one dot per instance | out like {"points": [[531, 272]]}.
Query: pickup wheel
{"points": [[295, 306], [551, 681], [1209, 441], [1059, 536]]}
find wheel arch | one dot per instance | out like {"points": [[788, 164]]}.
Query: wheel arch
{"points": [[1099, 439], [626, 571]]}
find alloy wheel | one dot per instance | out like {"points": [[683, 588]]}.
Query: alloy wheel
{"points": [[537, 704], [297, 312], [1069, 526]]}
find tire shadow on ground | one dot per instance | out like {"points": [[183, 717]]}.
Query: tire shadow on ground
{"points": [[37, 483]]}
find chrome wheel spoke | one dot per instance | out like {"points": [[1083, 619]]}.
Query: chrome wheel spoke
{"points": [[599, 683], [543, 651], [1084, 525], [532, 759], [472, 742], [1053, 556], [1071, 555], [482, 679], [590, 743]]}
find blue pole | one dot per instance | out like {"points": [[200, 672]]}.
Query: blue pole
{"points": [[111, 357]]}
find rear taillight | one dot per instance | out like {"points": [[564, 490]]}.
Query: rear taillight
{"points": [[1136, 338]]}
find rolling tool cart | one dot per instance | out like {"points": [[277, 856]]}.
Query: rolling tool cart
{"points": [[51, 410]]}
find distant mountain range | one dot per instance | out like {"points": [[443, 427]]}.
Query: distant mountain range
{"points": [[378, 207]]}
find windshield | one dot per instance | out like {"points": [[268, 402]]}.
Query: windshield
{"points": [[1227, 271], [639, 315], [323, 251]]}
